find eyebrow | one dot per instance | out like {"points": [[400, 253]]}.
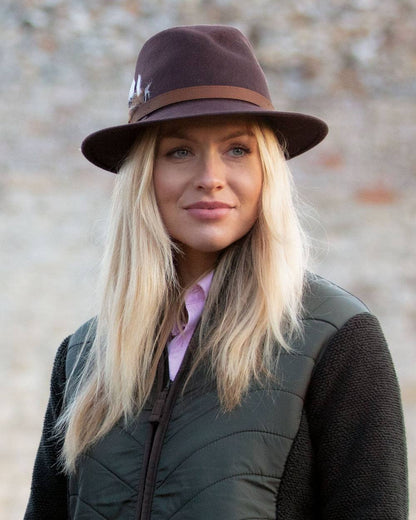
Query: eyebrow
{"points": [[178, 133]]}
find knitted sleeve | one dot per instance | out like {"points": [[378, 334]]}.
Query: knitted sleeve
{"points": [[48, 497], [351, 435]]}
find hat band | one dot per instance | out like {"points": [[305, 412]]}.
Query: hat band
{"points": [[200, 92]]}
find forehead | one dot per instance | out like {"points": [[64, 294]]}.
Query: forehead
{"points": [[221, 125]]}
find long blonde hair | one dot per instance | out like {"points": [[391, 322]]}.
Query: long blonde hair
{"points": [[263, 274]]}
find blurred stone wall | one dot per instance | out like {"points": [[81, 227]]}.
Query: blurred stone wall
{"points": [[66, 68]]}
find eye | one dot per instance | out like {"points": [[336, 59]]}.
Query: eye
{"points": [[179, 153], [239, 151]]}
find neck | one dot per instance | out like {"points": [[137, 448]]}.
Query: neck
{"points": [[193, 264]]}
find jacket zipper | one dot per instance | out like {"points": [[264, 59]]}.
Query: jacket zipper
{"points": [[159, 421]]}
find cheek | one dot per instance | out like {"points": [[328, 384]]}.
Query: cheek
{"points": [[253, 193], [164, 190], [169, 183], [162, 197], [167, 195], [257, 189], [158, 185]]}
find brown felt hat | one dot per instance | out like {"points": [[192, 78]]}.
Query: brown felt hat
{"points": [[193, 71]]}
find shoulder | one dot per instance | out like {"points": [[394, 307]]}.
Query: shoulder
{"points": [[325, 301], [326, 310], [79, 344], [58, 377], [353, 340], [84, 333]]}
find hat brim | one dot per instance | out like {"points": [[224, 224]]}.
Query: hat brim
{"points": [[296, 132]]}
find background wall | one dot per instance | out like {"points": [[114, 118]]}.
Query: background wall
{"points": [[66, 68]]}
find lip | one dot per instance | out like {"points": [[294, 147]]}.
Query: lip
{"points": [[208, 204], [209, 209]]}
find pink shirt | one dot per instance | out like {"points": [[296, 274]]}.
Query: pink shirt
{"points": [[195, 299]]}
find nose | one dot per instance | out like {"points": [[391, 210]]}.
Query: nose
{"points": [[210, 175]]}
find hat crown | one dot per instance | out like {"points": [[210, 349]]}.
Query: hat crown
{"points": [[201, 55]]}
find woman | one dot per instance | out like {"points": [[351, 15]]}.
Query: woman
{"points": [[220, 379]]}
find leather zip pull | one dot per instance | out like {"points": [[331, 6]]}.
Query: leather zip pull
{"points": [[157, 410]]}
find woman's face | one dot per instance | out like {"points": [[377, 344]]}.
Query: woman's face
{"points": [[208, 181]]}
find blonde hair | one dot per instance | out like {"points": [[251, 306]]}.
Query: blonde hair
{"points": [[252, 310]]}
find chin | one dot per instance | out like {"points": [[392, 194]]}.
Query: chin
{"points": [[205, 248]]}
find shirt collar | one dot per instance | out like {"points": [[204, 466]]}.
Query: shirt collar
{"points": [[205, 283], [195, 298]]}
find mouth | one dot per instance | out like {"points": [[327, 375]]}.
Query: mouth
{"points": [[209, 210], [214, 204]]}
